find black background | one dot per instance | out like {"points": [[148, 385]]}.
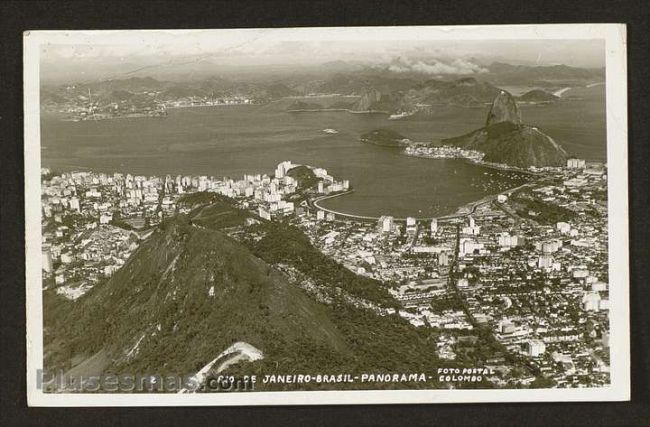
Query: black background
{"points": [[16, 17]]}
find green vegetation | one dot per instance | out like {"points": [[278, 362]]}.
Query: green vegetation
{"points": [[384, 138], [543, 213], [188, 293], [305, 177], [118, 221], [501, 129], [449, 301], [286, 244], [220, 215], [213, 210], [538, 96], [203, 198]]}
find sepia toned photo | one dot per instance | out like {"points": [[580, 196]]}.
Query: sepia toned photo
{"points": [[326, 215]]}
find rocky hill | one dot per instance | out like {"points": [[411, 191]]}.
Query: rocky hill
{"points": [[503, 109], [368, 100], [543, 75], [506, 140], [538, 96], [304, 175], [372, 100], [190, 291], [464, 92], [384, 137]]}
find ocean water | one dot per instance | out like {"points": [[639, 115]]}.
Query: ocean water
{"points": [[234, 140]]}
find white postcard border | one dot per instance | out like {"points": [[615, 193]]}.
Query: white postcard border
{"points": [[616, 101]]}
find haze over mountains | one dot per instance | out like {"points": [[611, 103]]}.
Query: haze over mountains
{"points": [[277, 53], [382, 87]]}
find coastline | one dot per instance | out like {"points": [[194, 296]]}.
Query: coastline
{"points": [[462, 211], [99, 119], [489, 165], [176, 107], [66, 118], [342, 110]]}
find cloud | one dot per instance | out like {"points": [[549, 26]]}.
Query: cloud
{"points": [[434, 67]]}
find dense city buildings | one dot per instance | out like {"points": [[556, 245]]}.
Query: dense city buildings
{"points": [[525, 269]]}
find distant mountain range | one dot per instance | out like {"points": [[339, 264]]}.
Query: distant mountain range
{"points": [[543, 75], [422, 97], [379, 88], [465, 92], [418, 98], [506, 140], [150, 90]]}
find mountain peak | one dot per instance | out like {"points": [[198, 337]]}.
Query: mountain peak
{"points": [[467, 81], [506, 140], [503, 109], [368, 100]]}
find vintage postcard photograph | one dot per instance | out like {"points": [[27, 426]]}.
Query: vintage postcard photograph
{"points": [[326, 215]]}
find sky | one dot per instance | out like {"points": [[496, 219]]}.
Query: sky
{"points": [[402, 48]]}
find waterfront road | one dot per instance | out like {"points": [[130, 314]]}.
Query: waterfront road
{"points": [[464, 211]]}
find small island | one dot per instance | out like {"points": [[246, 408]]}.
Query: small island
{"points": [[538, 96], [385, 138]]}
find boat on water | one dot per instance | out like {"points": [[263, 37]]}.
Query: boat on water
{"points": [[330, 131]]}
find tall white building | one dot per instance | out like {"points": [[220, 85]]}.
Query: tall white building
{"points": [[563, 227], [47, 260], [507, 241], [434, 226], [575, 163], [550, 246], [591, 301], [264, 214], [74, 204], [282, 168], [411, 225], [385, 224], [468, 246], [545, 261], [444, 258], [472, 228], [320, 172], [536, 348]]}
